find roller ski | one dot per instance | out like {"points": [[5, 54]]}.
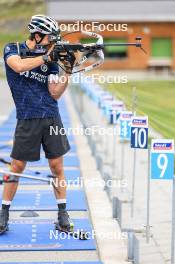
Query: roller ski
{"points": [[4, 217], [65, 225]]}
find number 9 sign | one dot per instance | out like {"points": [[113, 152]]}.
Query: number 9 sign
{"points": [[162, 159]]}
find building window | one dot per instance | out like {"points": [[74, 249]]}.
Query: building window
{"points": [[161, 48], [116, 51], [87, 40]]}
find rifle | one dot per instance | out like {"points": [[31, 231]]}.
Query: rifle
{"points": [[65, 49]]}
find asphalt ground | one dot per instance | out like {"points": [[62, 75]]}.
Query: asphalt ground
{"points": [[159, 248]]}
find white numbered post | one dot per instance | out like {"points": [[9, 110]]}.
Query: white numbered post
{"points": [[125, 134], [104, 103], [134, 104], [139, 140], [114, 115], [162, 168]]}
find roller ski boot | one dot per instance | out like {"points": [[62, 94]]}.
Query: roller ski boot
{"points": [[4, 217], [65, 224]]}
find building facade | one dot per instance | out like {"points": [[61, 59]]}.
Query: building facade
{"points": [[153, 20]]}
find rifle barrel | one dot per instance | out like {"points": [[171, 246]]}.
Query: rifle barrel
{"points": [[122, 44]]}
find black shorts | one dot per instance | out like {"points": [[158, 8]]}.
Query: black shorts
{"points": [[30, 134]]}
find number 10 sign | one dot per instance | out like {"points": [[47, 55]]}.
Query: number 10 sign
{"points": [[139, 132], [162, 159]]}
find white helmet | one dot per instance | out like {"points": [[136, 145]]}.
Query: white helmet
{"points": [[44, 25]]}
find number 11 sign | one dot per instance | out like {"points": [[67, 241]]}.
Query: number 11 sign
{"points": [[162, 159]]}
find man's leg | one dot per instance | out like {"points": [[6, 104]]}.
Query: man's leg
{"points": [[56, 166], [9, 191], [10, 188]]}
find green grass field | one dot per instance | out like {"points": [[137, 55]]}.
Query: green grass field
{"points": [[155, 99], [14, 17]]}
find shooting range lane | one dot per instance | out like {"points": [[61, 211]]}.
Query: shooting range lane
{"points": [[33, 234], [45, 200], [41, 235]]}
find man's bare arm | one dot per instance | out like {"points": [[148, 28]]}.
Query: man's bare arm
{"points": [[20, 65], [57, 89]]}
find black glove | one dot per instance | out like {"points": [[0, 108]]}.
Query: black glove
{"points": [[67, 58], [69, 61], [54, 55]]}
